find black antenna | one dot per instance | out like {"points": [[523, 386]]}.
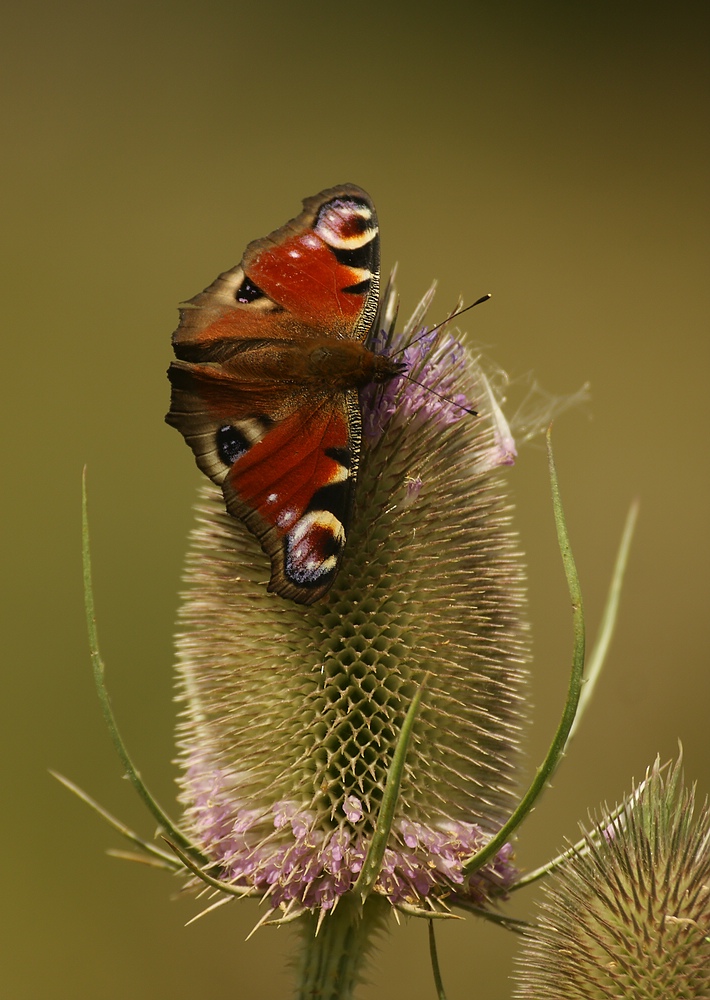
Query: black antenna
{"points": [[451, 402], [454, 315]]}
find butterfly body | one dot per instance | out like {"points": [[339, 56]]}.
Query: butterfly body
{"points": [[264, 388]]}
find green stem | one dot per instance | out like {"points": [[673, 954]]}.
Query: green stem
{"points": [[335, 947], [611, 609], [554, 754], [175, 835], [376, 851], [159, 857], [438, 982]]}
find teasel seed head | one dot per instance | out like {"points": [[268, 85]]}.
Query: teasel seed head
{"points": [[628, 914], [291, 713]]}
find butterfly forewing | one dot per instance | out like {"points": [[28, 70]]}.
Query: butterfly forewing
{"points": [[318, 274], [269, 409]]}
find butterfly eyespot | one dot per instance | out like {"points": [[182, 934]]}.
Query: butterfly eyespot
{"points": [[231, 445], [248, 292], [313, 547]]}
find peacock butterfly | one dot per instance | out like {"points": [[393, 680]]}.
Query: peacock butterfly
{"points": [[270, 358]]}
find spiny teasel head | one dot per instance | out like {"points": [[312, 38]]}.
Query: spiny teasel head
{"points": [[291, 713], [628, 914]]}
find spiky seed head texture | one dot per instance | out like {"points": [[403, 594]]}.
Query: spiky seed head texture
{"points": [[628, 915], [291, 713]]}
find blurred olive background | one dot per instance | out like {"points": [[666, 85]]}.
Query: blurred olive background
{"points": [[553, 154]]}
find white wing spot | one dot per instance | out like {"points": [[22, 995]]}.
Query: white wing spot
{"points": [[286, 517]]}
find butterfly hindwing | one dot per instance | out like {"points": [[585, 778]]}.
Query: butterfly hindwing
{"points": [[289, 478], [294, 491], [265, 389]]}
